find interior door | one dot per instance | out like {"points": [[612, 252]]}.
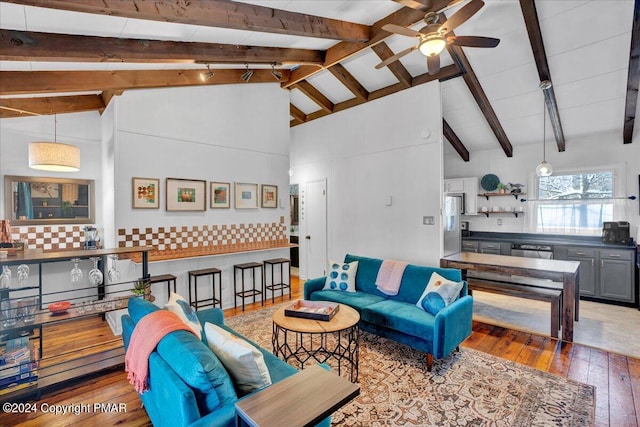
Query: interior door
{"points": [[315, 239]]}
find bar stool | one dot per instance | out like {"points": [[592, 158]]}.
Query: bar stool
{"points": [[213, 272], [164, 278], [252, 266], [282, 285]]}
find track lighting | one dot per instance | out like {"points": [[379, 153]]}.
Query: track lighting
{"points": [[274, 73], [206, 76], [246, 76]]}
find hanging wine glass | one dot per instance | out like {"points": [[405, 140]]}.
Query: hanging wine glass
{"points": [[5, 277], [23, 274], [95, 275], [114, 273], [76, 273]]}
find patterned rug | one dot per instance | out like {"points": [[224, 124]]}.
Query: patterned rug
{"points": [[469, 388]]}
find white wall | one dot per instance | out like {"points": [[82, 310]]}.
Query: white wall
{"points": [[80, 129], [389, 147], [589, 152]]}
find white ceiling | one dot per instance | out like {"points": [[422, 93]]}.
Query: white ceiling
{"points": [[587, 45]]}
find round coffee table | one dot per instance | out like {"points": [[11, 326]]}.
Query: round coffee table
{"points": [[300, 340]]}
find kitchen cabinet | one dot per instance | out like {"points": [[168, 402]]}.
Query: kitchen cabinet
{"points": [[489, 248], [62, 363], [587, 259], [606, 274], [468, 186], [616, 275], [470, 246]]}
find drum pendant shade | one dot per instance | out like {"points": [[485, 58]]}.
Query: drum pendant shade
{"points": [[54, 156]]}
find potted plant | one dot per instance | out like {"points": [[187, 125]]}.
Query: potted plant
{"points": [[502, 188], [142, 287]]}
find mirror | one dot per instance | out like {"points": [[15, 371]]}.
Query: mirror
{"points": [[41, 200]]}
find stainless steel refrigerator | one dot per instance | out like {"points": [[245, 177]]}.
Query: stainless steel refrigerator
{"points": [[451, 218]]}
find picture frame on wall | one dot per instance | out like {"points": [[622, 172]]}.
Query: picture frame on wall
{"points": [[269, 196], [246, 195], [145, 193], [186, 194], [220, 195]]}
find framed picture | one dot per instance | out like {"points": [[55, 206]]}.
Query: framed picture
{"points": [[145, 193], [246, 195], [220, 195], [269, 196], [186, 194]]}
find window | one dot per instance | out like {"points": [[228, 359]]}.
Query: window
{"points": [[575, 203]]}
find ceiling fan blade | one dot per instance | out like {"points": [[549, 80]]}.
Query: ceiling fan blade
{"points": [[397, 29], [395, 57], [433, 64], [461, 16], [473, 41]]}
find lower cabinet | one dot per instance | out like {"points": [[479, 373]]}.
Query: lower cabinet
{"points": [[605, 273], [470, 246]]}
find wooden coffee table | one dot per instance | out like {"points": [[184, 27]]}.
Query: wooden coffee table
{"points": [[302, 340], [303, 399]]}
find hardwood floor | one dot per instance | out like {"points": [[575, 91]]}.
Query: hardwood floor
{"points": [[616, 377]]}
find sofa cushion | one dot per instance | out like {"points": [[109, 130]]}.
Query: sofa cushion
{"points": [[181, 308], [403, 317], [358, 300], [367, 273], [199, 368], [448, 290], [432, 303], [416, 278], [341, 276], [244, 362]]}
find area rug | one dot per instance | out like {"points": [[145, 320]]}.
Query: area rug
{"points": [[469, 388]]}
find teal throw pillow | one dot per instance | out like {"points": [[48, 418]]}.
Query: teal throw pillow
{"points": [[447, 290], [341, 276]]}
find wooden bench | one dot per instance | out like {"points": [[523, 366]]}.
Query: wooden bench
{"points": [[538, 293]]}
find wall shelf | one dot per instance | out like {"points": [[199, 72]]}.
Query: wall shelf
{"points": [[487, 195], [502, 212]]}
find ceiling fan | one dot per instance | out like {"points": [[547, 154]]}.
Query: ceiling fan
{"points": [[432, 38]]}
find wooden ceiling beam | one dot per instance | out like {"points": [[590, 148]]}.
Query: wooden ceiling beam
{"points": [[40, 106], [444, 74], [315, 95], [25, 82], [347, 79], [455, 142], [32, 46], [474, 86], [216, 13], [633, 78], [399, 71], [530, 15], [297, 113]]}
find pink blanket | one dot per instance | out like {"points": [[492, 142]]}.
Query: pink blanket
{"points": [[144, 339], [390, 276]]}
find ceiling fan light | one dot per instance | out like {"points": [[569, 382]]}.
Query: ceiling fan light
{"points": [[432, 45], [544, 169], [54, 156]]}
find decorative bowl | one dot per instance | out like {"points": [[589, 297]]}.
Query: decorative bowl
{"points": [[59, 307], [489, 182]]}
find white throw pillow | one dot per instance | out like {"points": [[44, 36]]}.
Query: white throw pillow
{"points": [[447, 289], [185, 312], [244, 362], [341, 276]]}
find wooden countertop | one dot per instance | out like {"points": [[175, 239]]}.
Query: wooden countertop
{"points": [[38, 255], [179, 254]]}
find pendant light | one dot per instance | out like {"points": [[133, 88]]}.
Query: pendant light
{"points": [[54, 156], [544, 168]]}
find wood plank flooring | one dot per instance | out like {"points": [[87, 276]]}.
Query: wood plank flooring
{"points": [[616, 377]]}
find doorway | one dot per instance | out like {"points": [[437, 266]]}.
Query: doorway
{"points": [[314, 211]]}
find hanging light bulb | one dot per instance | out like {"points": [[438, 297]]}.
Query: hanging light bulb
{"points": [[544, 168]]}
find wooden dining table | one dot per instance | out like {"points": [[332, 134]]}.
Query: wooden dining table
{"points": [[565, 272]]}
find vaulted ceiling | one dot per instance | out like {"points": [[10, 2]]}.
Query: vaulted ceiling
{"points": [[65, 56]]}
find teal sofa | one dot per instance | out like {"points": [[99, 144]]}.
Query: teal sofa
{"points": [[188, 385], [397, 317]]}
